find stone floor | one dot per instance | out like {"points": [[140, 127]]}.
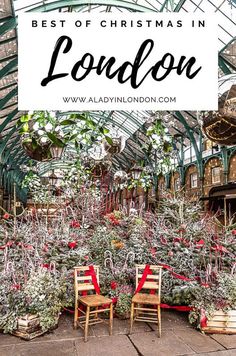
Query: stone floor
{"points": [[178, 338]]}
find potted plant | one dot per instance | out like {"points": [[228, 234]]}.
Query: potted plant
{"points": [[31, 308], [123, 306]]}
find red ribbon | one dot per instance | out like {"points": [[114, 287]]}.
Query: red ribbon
{"points": [[176, 307], [220, 248], [176, 275], [143, 279], [8, 244], [94, 279], [203, 320], [69, 310], [91, 272], [183, 278], [164, 306], [147, 270]]}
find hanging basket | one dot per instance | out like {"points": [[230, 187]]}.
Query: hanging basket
{"points": [[43, 152], [38, 153], [100, 168], [114, 147]]}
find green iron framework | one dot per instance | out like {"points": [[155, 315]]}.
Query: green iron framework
{"points": [[186, 129]]}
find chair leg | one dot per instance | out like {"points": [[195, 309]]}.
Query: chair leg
{"points": [[131, 317], [76, 315], [86, 324], [96, 314], [159, 319], [111, 319]]}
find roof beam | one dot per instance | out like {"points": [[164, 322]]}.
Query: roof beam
{"points": [[227, 45], [6, 138], [179, 5], [8, 119], [5, 70], [229, 64], [7, 26], [65, 3], [6, 98], [192, 140], [223, 66]]}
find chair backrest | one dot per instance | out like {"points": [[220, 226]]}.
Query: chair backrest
{"points": [[153, 281], [83, 282]]}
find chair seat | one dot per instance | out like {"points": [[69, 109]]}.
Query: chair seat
{"points": [[143, 298], [94, 300]]}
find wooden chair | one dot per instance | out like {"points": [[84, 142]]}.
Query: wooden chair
{"points": [[143, 304], [84, 282]]}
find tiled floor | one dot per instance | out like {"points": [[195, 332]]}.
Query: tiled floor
{"points": [[178, 338]]}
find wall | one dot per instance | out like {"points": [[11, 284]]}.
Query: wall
{"points": [[232, 169], [190, 192], [202, 189], [174, 176], [161, 185], [208, 184]]}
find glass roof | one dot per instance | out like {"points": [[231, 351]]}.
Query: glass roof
{"points": [[129, 123], [224, 8]]}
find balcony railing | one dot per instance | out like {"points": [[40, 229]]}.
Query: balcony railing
{"points": [[205, 154]]}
